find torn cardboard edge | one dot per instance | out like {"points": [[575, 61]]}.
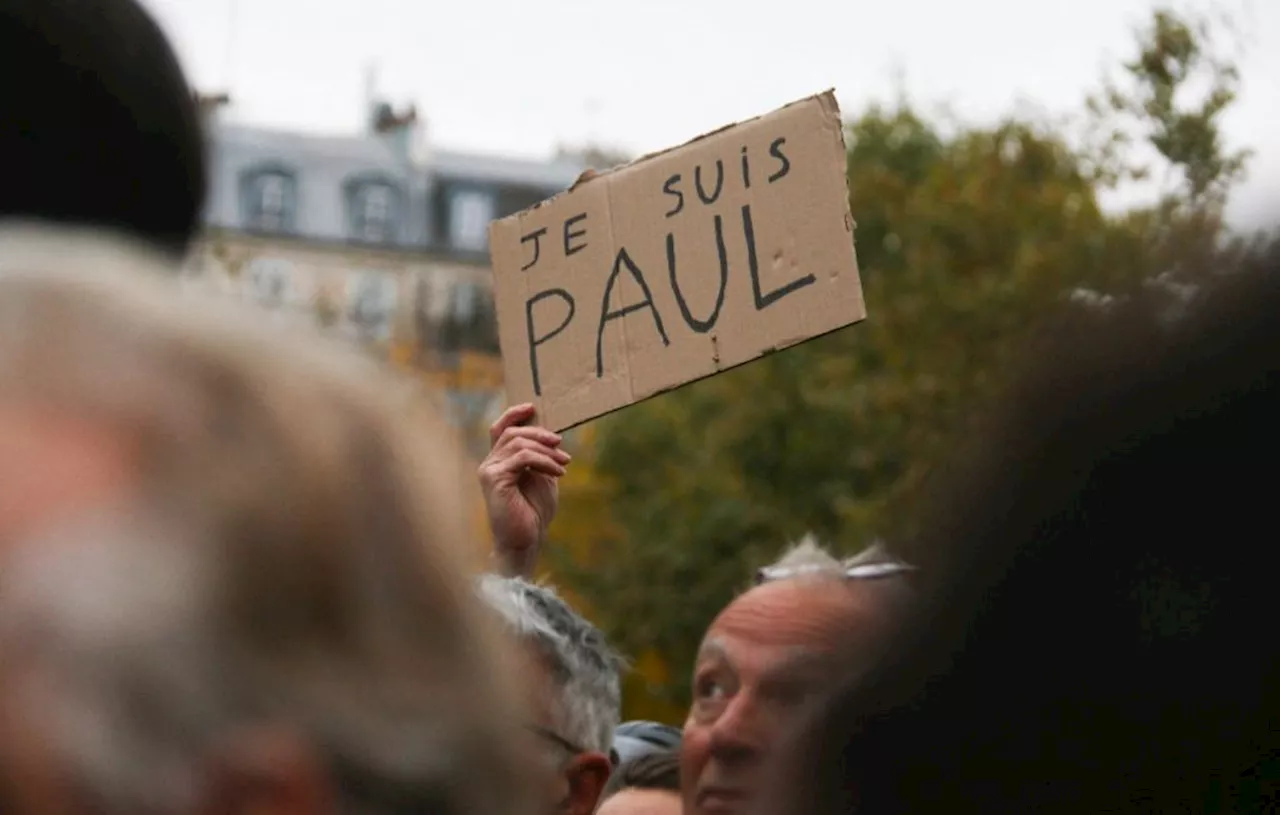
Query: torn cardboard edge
{"points": [[826, 99], [803, 227]]}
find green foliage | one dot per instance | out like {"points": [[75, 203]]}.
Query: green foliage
{"points": [[964, 242], [1175, 55]]}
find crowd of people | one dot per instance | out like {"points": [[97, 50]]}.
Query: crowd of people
{"points": [[236, 576]]}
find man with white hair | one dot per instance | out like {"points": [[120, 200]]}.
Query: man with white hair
{"points": [[577, 698], [771, 654], [573, 685]]}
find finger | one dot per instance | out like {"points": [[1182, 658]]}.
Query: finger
{"points": [[512, 416], [509, 449], [536, 461], [527, 432]]}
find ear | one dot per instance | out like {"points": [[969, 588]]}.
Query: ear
{"points": [[265, 771], [587, 774]]}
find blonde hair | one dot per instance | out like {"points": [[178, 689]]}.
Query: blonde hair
{"points": [[330, 530]]}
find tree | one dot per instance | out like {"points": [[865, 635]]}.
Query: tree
{"points": [[964, 242], [1174, 54], [586, 537], [1155, 106]]}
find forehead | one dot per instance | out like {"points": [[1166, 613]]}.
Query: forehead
{"points": [[52, 464], [788, 617], [641, 802], [541, 694]]}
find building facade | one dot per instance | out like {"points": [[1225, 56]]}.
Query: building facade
{"points": [[373, 236]]}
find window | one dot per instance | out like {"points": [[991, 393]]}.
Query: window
{"points": [[269, 282], [469, 215], [371, 304], [465, 296], [377, 212], [471, 323], [269, 201], [374, 212], [514, 199], [271, 198]]}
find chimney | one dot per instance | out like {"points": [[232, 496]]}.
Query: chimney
{"points": [[386, 120], [399, 128]]}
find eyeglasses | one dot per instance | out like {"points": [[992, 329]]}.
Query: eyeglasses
{"points": [[863, 571], [555, 738]]}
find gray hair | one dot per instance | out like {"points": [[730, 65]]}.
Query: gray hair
{"points": [[808, 558], [584, 667], [140, 677], [291, 555]]}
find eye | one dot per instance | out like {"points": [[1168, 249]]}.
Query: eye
{"points": [[709, 687], [711, 693]]}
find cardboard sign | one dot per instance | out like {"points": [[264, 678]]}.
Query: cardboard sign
{"points": [[678, 266]]}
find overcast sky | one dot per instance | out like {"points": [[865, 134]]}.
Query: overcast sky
{"points": [[522, 76]]}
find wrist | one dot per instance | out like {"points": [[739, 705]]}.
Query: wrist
{"points": [[515, 562]]}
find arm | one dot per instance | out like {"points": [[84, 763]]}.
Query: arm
{"points": [[519, 482]]}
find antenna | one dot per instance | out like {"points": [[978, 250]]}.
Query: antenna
{"points": [[370, 85]]}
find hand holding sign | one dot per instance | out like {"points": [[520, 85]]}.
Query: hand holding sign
{"points": [[678, 266], [518, 480]]}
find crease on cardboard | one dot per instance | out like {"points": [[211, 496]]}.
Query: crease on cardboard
{"points": [[831, 113], [827, 99], [613, 253], [831, 110], [539, 401]]}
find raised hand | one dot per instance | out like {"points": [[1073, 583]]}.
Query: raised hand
{"points": [[519, 481]]}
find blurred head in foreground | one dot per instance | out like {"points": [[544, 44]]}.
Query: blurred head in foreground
{"points": [[1095, 629], [229, 572], [648, 785], [98, 126], [774, 651], [571, 679]]}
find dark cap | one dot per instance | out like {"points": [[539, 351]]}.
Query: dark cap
{"points": [[631, 740]]}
